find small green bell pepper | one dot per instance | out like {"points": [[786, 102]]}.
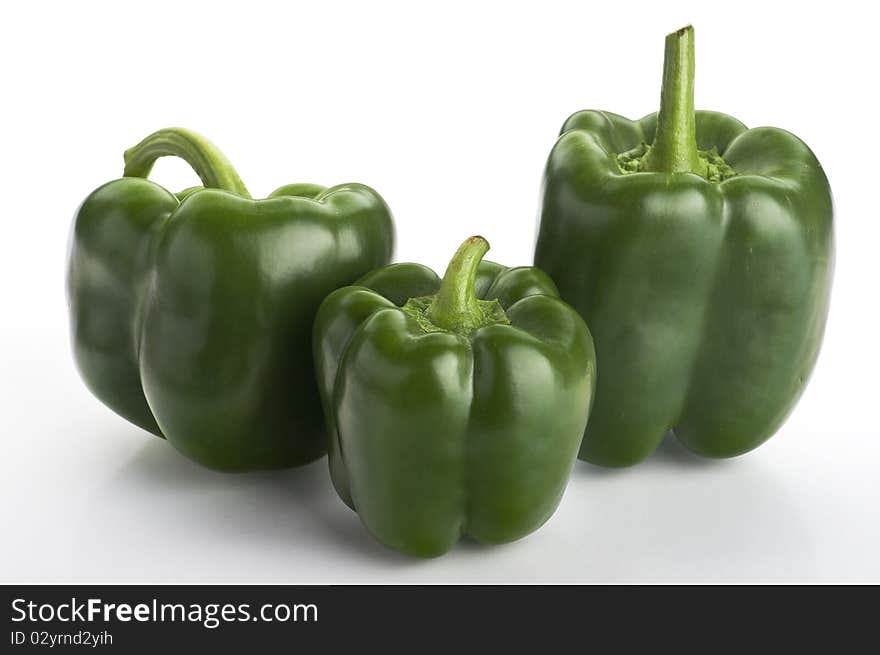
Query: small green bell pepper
{"points": [[701, 255], [455, 407], [193, 319]]}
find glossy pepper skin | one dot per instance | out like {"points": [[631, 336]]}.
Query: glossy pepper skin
{"points": [[193, 319], [706, 289], [441, 427]]}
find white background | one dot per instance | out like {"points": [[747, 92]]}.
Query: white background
{"points": [[449, 110]]}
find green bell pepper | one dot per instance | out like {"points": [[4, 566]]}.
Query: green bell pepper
{"points": [[193, 319], [455, 407], [700, 252]]}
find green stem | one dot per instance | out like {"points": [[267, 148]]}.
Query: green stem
{"points": [[209, 163], [455, 307], [675, 144]]}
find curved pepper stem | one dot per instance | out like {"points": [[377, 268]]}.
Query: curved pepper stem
{"points": [[675, 143], [455, 307], [207, 161]]}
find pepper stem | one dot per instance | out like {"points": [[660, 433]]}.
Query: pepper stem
{"points": [[675, 143], [207, 161], [455, 307]]}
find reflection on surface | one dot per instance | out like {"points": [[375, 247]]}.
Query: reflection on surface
{"points": [[165, 506], [676, 517], [679, 516]]}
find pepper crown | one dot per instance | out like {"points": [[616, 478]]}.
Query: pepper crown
{"points": [[674, 149], [455, 307], [212, 167]]}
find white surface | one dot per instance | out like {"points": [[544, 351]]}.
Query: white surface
{"points": [[450, 113]]}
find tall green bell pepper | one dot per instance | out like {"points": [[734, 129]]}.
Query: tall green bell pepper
{"points": [[455, 407], [701, 254], [193, 319]]}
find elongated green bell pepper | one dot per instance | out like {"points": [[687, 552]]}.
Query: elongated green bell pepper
{"points": [[701, 254], [455, 407], [193, 319]]}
